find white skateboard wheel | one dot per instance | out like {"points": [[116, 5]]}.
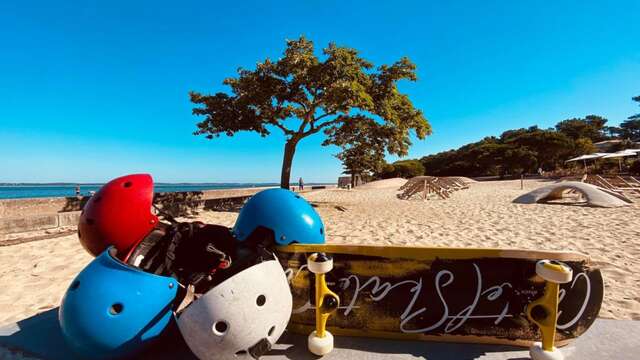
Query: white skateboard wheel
{"points": [[554, 271], [537, 353], [320, 345], [319, 267]]}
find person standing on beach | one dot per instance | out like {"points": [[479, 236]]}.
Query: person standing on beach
{"points": [[77, 190], [301, 184]]}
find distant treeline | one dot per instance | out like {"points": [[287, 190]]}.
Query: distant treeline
{"points": [[521, 150]]}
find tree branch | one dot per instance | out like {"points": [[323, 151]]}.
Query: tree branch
{"points": [[324, 115], [315, 129], [284, 129]]}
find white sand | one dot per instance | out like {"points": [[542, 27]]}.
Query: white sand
{"points": [[34, 276], [392, 183]]}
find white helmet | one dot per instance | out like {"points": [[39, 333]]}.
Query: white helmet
{"points": [[242, 317]]}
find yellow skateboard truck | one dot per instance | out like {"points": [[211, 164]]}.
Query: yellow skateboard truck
{"points": [[544, 311], [320, 341]]}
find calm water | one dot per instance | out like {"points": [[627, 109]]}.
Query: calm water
{"points": [[35, 191]]}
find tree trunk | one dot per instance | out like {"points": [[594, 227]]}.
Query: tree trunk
{"points": [[289, 151]]}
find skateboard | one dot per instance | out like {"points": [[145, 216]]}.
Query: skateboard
{"points": [[493, 296]]}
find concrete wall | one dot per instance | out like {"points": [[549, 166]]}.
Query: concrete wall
{"points": [[12, 208], [25, 215], [38, 222]]}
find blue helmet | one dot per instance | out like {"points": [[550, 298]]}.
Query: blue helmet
{"points": [[291, 218], [113, 310]]}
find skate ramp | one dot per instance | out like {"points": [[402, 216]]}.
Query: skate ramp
{"points": [[595, 196]]}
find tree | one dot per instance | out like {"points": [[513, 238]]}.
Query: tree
{"points": [[630, 128], [514, 152], [592, 127], [408, 168], [519, 160], [386, 171], [551, 147], [583, 146], [363, 147], [440, 164], [636, 116], [330, 95]]}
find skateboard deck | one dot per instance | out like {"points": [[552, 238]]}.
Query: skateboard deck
{"points": [[441, 294]]}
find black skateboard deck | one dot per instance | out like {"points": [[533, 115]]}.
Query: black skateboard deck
{"points": [[441, 294]]}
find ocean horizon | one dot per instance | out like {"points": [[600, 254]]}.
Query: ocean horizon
{"points": [[42, 190]]}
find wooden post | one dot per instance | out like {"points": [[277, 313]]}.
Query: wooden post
{"points": [[424, 191]]}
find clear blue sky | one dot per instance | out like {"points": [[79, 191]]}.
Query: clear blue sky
{"points": [[89, 92]]}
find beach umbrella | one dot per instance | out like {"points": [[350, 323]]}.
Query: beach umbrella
{"points": [[620, 155], [584, 158]]}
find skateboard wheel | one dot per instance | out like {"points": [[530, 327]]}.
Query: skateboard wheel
{"points": [[319, 267], [554, 271], [537, 353], [320, 345]]}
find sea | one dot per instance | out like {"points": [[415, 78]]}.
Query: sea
{"points": [[21, 191]]}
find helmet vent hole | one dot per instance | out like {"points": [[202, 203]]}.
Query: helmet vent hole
{"points": [[127, 184], [220, 328], [261, 300], [90, 221], [241, 353], [273, 328], [116, 309], [297, 196], [74, 285], [321, 231], [79, 234], [97, 199]]}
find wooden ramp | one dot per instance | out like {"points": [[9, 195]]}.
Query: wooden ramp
{"points": [[425, 187]]}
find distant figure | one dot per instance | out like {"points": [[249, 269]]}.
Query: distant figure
{"points": [[301, 184], [77, 190]]}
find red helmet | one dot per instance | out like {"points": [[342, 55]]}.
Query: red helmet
{"points": [[119, 214]]}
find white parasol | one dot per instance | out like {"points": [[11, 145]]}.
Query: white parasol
{"points": [[584, 158], [620, 155]]}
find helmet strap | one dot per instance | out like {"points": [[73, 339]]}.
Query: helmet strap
{"points": [[188, 298]]}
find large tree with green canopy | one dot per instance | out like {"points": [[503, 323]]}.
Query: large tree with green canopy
{"points": [[592, 127], [302, 94]]}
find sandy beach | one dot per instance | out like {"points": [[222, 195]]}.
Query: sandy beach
{"points": [[34, 275]]}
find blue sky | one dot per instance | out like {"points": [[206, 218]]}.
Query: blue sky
{"points": [[92, 91]]}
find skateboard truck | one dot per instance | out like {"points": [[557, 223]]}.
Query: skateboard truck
{"points": [[320, 341], [544, 311]]}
